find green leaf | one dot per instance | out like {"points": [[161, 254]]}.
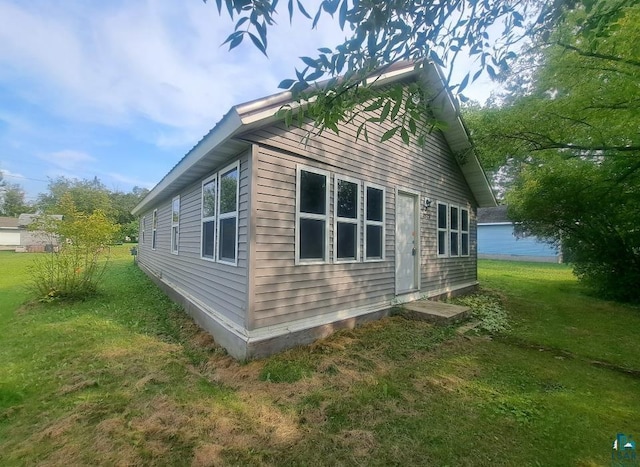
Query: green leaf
{"points": [[389, 134], [385, 111], [286, 83], [404, 135]]}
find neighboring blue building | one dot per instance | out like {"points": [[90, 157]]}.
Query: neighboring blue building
{"points": [[497, 240]]}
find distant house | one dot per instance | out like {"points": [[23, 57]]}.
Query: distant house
{"points": [[269, 242], [497, 239], [16, 235], [10, 233]]}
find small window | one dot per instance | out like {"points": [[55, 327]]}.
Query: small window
{"points": [[374, 223], [454, 231], [312, 214], [209, 217], [443, 225], [228, 214], [347, 219], [143, 223], [464, 232], [154, 229], [175, 224]]}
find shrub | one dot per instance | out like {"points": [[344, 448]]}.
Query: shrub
{"points": [[488, 310], [74, 268]]}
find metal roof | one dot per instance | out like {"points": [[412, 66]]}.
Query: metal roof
{"points": [[495, 215], [8, 223], [220, 144]]}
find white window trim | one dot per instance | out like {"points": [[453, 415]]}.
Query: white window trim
{"points": [[175, 225], [143, 222], [346, 220], [454, 231], [323, 217], [203, 219], [154, 229], [445, 230], [465, 232], [227, 215], [376, 223]]}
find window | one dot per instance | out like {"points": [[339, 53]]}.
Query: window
{"points": [[143, 223], [453, 227], [312, 214], [443, 225], [154, 228], [175, 224], [464, 232], [209, 190], [454, 231], [228, 214], [347, 219], [374, 198]]}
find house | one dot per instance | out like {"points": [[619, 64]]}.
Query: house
{"points": [[16, 235], [9, 233], [269, 242], [497, 239]]}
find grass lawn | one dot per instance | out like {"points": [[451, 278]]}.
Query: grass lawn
{"points": [[125, 378]]}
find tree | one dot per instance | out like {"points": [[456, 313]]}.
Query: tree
{"points": [[122, 204], [75, 269], [12, 199], [570, 136], [382, 33], [87, 195]]}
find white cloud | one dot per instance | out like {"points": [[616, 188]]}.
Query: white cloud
{"points": [[157, 59], [68, 160]]}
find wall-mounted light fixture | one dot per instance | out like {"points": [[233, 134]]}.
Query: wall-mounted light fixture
{"points": [[427, 203]]}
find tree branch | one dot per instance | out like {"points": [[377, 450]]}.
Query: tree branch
{"points": [[584, 53]]}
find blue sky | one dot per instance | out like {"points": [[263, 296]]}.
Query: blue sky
{"points": [[122, 90]]}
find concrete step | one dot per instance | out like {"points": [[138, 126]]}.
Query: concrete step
{"points": [[437, 312]]}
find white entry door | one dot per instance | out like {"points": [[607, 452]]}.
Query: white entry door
{"points": [[407, 243]]}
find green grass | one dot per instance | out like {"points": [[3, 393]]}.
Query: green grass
{"points": [[126, 378]]}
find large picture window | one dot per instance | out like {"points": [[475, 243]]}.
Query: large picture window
{"points": [[209, 192], [175, 224], [374, 199], [347, 219], [228, 214], [312, 214], [154, 229]]}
